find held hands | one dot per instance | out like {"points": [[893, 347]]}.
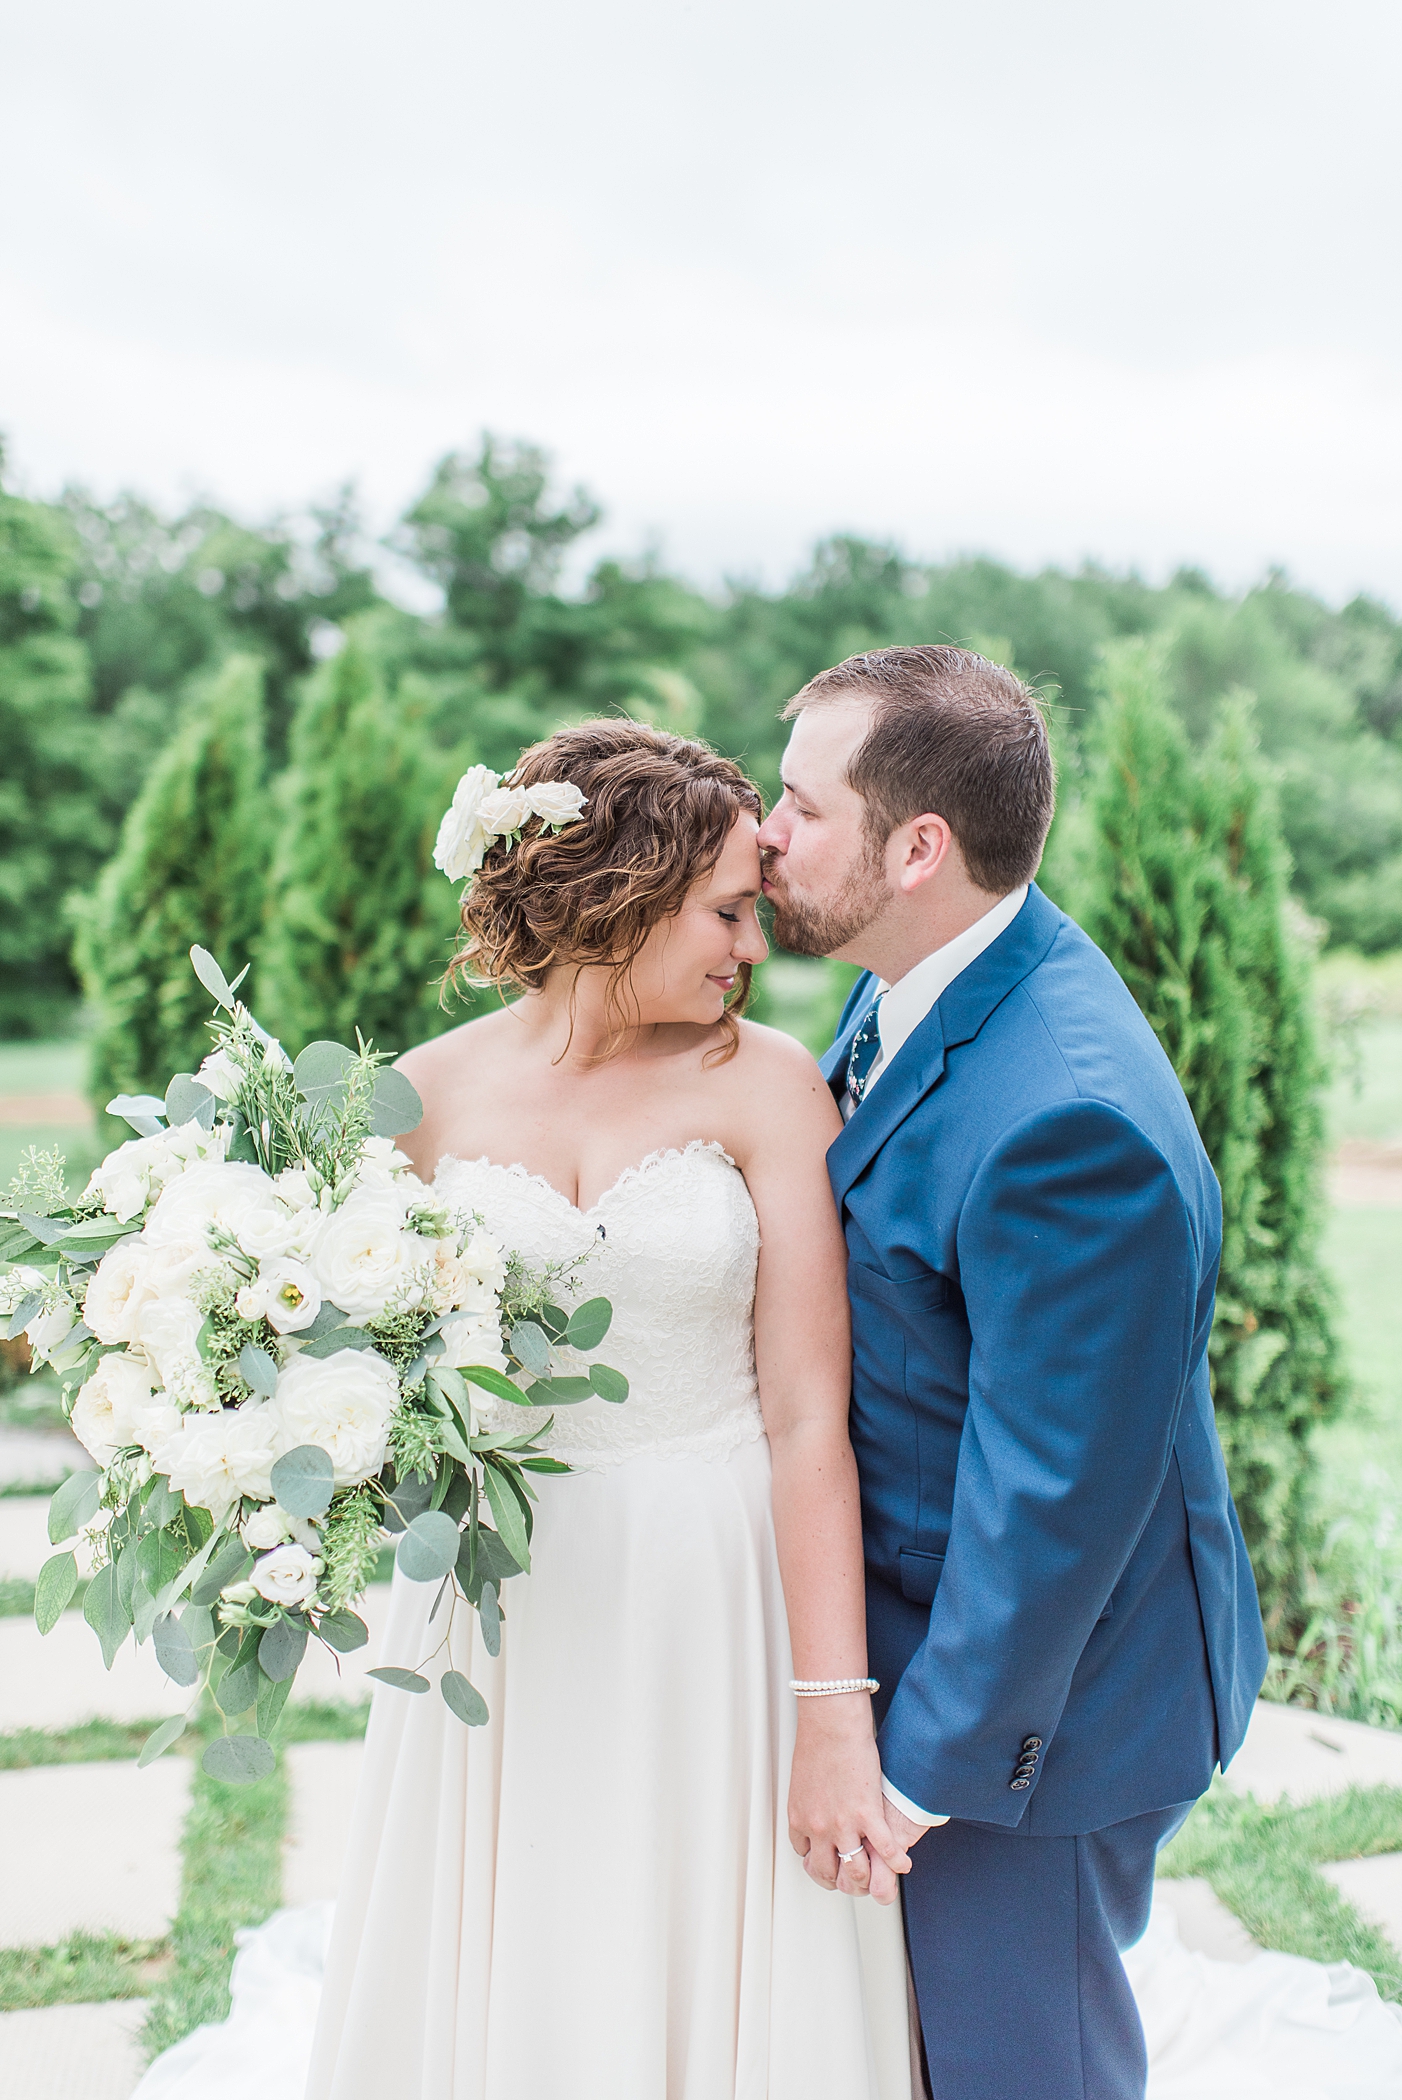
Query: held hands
{"points": [[836, 1804]]}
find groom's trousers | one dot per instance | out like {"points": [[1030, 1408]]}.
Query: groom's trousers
{"points": [[1014, 1947]]}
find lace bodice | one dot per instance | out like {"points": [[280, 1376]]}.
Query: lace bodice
{"points": [[673, 1245]]}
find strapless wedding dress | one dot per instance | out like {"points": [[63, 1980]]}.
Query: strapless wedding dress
{"points": [[593, 1896]]}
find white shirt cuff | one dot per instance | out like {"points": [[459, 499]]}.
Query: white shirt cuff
{"points": [[908, 1808]]}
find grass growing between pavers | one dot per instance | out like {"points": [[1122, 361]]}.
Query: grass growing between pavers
{"points": [[91, 1743], [1264, 1865], [84, 1969]]}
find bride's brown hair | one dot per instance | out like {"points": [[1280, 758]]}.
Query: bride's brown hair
{"points": [[658, 811]]}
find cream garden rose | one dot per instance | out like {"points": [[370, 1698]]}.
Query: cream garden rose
{"points": [[216, 1458], [555, 802], [286, 1576], [119, 1406], [364, 1257], [343, 1403], [461, 840], [504, 810], [234, 1195], [129, 1177]]}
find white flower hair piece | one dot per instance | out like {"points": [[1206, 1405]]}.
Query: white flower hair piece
{"points": [[484, 809]]}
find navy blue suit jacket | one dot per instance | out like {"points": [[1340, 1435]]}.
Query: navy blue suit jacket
{"points": [[1033, 1232]]}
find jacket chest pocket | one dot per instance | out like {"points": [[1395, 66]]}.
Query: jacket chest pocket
{"points": [[908, 1297]]}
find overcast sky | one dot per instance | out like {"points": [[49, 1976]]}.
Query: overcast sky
{"points": [[1095, 279]]}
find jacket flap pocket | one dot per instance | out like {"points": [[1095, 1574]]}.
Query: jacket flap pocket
{"points": [[902, 1294], [920, 1575]]}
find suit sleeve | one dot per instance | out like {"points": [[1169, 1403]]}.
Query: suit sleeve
{"points": [[1079, 1274]]}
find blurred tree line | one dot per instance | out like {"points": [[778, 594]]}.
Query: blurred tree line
{"points": [[231, 735]]}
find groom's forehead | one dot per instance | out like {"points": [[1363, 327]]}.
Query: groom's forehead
{"points": [[821, 743]]}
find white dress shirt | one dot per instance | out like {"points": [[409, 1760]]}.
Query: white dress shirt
{"points": [[903, 1007]]}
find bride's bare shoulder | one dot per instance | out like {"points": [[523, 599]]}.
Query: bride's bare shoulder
{"points": [[776, 1075], [449, 1055]]}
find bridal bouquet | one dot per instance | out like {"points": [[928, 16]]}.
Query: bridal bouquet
{"points": [[269, 1331]]}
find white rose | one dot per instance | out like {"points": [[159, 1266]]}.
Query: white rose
{"points": [[482, 1257], [272, 1525], [234, 1195], [285, 1293], [216, 1458], [475, 1340], [363, 1256], [138, 1170], [555, 802], [382, 1164], [287, 1575], [119, 1288], [221, 1075], [341, 1403], [461, 840], [165, 1330], [117, 1406], [294, 1186], [504, 810]]}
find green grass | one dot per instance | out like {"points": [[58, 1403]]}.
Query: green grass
{"points": [[43, 1068], [1264, 1864], [94, 1742], [232, 1876], [82, 1970]]}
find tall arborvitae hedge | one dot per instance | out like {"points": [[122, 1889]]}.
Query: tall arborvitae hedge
{"points": [[191, 866], [1186, 894], [361, 923]]}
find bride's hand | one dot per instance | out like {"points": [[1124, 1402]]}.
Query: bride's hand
{"points": [[836, 1803]]}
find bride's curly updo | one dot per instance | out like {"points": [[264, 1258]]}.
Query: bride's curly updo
{"points": [[658, 812]]}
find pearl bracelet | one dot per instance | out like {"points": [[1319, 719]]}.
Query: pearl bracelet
{"points": [[821, 1687]]}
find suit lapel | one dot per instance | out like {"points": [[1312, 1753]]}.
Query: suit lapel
{"points": [[956, 1017]]}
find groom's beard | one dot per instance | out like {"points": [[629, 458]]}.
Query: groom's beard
{"points": [[807, 926]]}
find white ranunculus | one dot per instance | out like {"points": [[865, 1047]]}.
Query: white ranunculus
{"points": [[555, 802], [476, 1340], [269, 1526], [232, 1194], [117, 1406], [120, 1286], [215, 1458], [46, 1330], [283, 1292], [503, 811], [364, 1257], [221, 1075], [461, 840], [342, 1403], [287, 1575], [166, 1330]]}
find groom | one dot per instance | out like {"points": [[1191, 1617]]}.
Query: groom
{"points": [[1061, 1611]]}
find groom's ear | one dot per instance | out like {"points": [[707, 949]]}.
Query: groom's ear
{"points": [[919, 849]]}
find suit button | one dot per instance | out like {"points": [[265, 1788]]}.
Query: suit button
{"points": [[1032, 1742], [1025, 1768], [1018, 1784]]}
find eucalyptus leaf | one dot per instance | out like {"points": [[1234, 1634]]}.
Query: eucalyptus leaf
{"points": [[343, 1631], [304, 1480], [531, 1348], [161, 1739], [608, 1383], [494, 1561], [450, 1383], [174, 1651], [407, 1499], [128, 1563], [442, 1593], [510, 1522], [559, 1392], [272, 1697], [282, 1648], [226, 1566], [143, 1611], [463, 1698], [237, 1689], [589, 1323], [22, 1315], [338, 1339], [320, 1071], [326, 1322], [212, 977], [238, 1759], [489, 1612], [198, 1621], [554, 1320], [258, 1370], [453, 1441], [143, 1113], [395, 1106], [189, 1100], [159, 1558], [162, 1502], [105, 1612], [53, 1592], [402, 1680], [74, 1505], [48, 1231], [429, 1548]]}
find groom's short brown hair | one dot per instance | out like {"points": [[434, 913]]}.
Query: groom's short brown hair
{"points": [[955, 735]]}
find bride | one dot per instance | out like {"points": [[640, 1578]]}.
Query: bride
{"points": [[601, 1893]]}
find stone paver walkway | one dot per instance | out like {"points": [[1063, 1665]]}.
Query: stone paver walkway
{"points": [[72, 2052], [1374, 1887], [91, 1848]]}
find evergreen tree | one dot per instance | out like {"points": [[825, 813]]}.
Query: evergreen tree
{"points": [[1186, 895], [191, 866], [361, 922], [47, 802]]}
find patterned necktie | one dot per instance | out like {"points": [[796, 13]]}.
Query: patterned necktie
{"points": [[866, 1048]]}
